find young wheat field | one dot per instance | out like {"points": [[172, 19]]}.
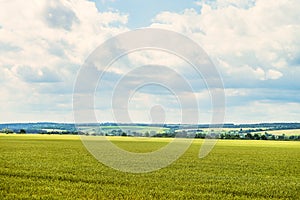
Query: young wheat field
{"points": [[60, 167]]}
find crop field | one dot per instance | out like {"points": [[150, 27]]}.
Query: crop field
{"points": [[286, 132], [106, 129], [59, 167]]}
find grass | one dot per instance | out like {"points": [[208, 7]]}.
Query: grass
{"points": [[59, 167]]}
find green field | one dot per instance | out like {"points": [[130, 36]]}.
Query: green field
{"points": [[59, 167], [281, 132], [106, 129]]}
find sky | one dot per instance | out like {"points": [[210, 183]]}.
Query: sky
{"points": [[254, 45]]}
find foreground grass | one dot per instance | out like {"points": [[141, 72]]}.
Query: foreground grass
{"points": [[59, 167]]}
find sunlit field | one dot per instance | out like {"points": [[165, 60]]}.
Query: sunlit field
{"points": [[59, 167], [106, 129], [281, 132]]}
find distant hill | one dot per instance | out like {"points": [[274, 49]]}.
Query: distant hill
{"points": [[40, 127]]}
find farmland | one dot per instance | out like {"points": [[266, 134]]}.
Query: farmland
{"points": [[262, 131], [59, 167], [141, 130], [286, 132]]}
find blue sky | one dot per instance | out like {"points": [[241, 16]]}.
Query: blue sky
{"points": [[254, 44], [141, 13]]}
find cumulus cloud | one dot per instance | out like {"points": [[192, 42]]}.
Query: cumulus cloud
{"points": [[59, 16], [29, 74], [273, 74], [7, 47], [254, 44], [261, 35], [42, 45]]}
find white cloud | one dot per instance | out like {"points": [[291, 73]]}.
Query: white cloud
{"points": [[235, 92], [237, 3], [42, 45], [72, 27], [254, 44], [265, 34], [273, 74], [263, 111], [260, 74]]}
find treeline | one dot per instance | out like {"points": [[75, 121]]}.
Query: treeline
{"points": [[241, 135], [247, 136], [256, 136], [36, 131]]}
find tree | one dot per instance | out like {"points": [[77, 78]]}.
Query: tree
{"points": [[273, 137], [249, 136], [264, 137], [256, 136], [147, 134], [22, 131], [7, 131]]}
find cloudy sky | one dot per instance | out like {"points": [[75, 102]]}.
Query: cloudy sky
{"points": [[254, 44]]}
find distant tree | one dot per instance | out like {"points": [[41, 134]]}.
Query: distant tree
{"points": [[227, 136], [266, 133], [22, 131], [236, 136], [264, 137], [292, 137], [256, 136], [273, 137], [7, 131], [249, 136], [80, 133], [147, 134], [124, 134], [281, 137]]}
